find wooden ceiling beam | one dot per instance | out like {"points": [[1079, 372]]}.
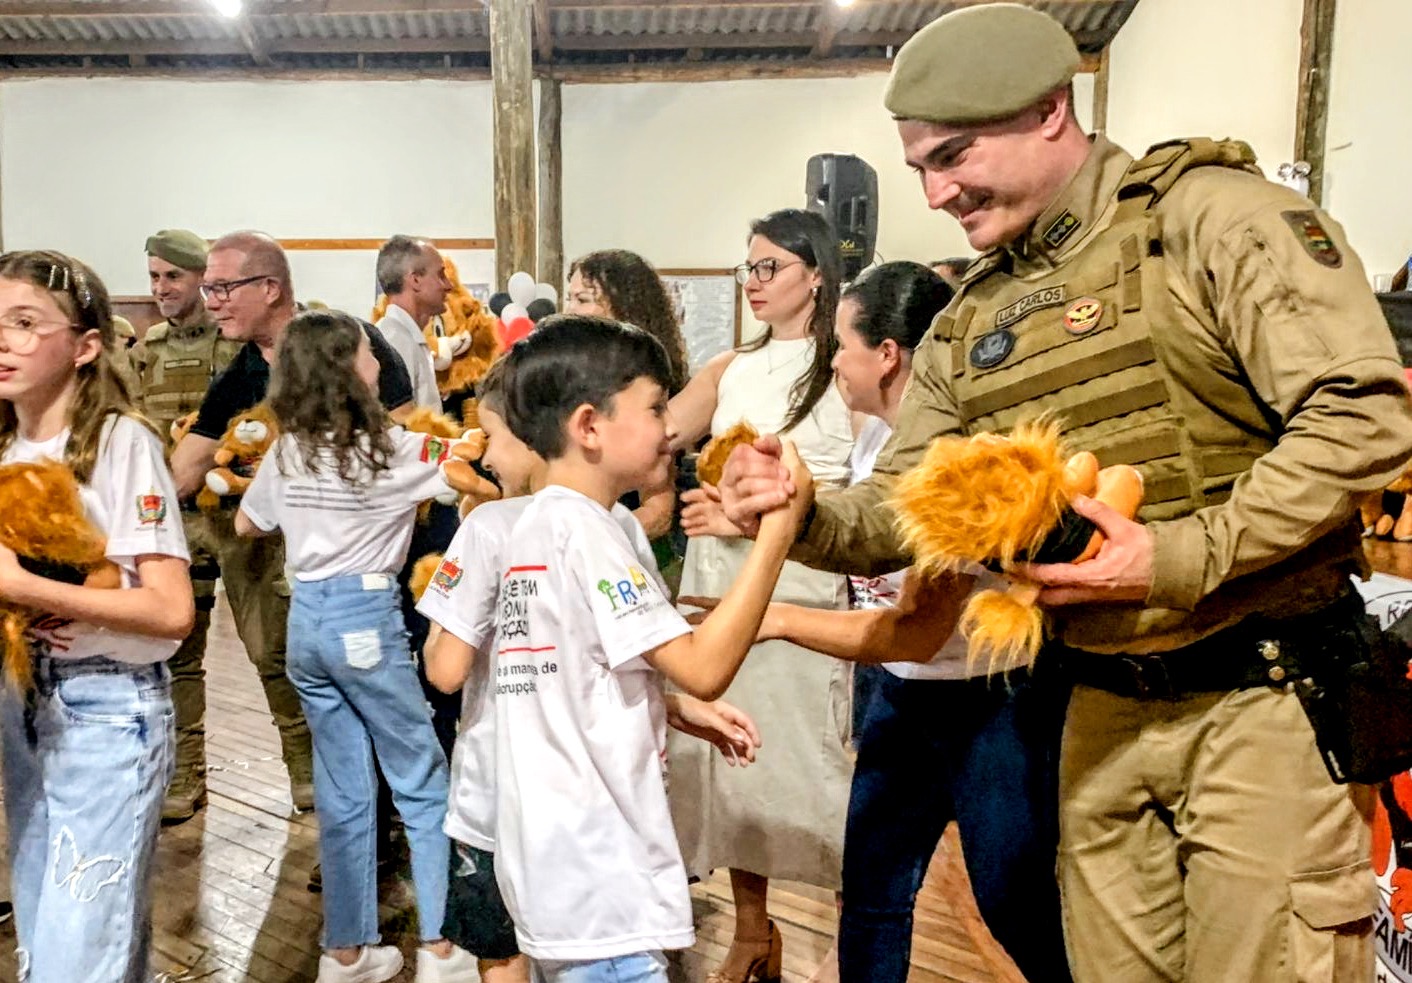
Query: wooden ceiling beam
{"points": [[543, 31], [830, 20], [292, 46]]}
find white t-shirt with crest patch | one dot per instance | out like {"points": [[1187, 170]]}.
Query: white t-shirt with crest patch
{"points": [[332, 527], [462, 598], [131, 500], [586, 853]]}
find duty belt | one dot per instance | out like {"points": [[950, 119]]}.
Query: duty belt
{"points": [[1257, 651]]}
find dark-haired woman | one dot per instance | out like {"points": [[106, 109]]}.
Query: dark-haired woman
{"points": [[938, 740], [787, 819], [622, 285]]}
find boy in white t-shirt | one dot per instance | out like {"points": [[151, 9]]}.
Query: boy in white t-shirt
{"points": [[586, 854], [461, 602]]}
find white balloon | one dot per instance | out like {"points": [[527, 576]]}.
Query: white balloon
{"points": [[521, 289], [512, 312], [545, 291]]}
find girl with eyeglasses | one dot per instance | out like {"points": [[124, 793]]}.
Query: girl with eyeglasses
{"points": [[88, 748], [786, 820]]}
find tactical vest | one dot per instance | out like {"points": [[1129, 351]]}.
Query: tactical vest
{"points": [[1084, 342], [176, 370]]}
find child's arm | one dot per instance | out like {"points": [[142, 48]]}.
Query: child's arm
{"points": [[448, 660], [704, 662], [925, 616], [258, 512], [162, 607], [729, 728]]}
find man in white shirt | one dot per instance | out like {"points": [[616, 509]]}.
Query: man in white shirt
{"points": [[413, 276]]}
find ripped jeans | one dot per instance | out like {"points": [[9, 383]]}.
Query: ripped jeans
{"points": [[347, 657], [87, 758]]}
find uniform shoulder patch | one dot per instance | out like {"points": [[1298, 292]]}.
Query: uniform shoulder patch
{"points": [[1309, 230], [1061, 228]]}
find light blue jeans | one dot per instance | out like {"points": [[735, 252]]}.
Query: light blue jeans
{"points": [[87, 757], [347, 657], [639, 967]]}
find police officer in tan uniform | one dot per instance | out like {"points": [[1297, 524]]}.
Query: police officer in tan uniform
{"points": [[175, 363], [1182, 314]]}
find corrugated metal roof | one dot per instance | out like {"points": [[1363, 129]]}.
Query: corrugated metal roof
{"points": [[603, 31]]}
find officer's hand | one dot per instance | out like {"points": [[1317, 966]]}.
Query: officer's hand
{"points": [[755, 481], [1122, 570]]}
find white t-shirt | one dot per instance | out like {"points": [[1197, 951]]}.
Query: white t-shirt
{"points": [[462, 598], [402, 333], [873, 592], [586, 853], [132, 501], [333, 528]]}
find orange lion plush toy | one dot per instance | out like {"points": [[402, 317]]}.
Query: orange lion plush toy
{"points": [[43, 521], [1000, 500], [242, 446]]}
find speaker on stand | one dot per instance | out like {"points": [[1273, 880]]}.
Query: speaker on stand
{"points": [[844, 189]]}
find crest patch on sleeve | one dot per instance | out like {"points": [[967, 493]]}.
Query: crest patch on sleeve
{"points": [[1309, 229]]}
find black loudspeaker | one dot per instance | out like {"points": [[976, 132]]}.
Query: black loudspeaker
{"points": [[844, 189]]}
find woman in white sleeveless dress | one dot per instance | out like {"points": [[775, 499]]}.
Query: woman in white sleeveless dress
{"points": [[783, 817]]}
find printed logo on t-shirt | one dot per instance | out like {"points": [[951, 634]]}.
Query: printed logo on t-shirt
{"points": [[434, 449], [447, 576], [151, 508], [626, 594]]}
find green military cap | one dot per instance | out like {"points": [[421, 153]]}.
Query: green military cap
{"points": [[180, 248], [980, 63], [122, 327]]}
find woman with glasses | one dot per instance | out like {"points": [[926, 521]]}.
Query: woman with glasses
{"points": [[786, 820]]}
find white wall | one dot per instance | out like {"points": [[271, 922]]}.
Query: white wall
{"points": [[92, 167], [1369, 145], [673, 171], [1215, 68]]}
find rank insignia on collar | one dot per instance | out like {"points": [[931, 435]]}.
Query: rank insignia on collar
{"points": [[1063, 227], [1309, 229], [992, 348], [1082, 315]]}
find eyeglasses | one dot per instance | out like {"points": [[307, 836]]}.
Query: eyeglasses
{"points": [[221, 289], [764, 270], [20, 331]]}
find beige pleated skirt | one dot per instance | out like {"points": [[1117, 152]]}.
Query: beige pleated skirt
{"points": [[783, 816]]}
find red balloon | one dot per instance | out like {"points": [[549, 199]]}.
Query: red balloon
{"points": [[519, 328]]}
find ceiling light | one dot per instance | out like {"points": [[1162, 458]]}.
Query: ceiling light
{"points": [[227, 8], [844, 3]]}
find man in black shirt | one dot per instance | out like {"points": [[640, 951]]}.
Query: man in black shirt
{"points": [[250, 294]]}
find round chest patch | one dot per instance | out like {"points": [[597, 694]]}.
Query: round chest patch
{"points": [[1082, 315], [992, 348]]}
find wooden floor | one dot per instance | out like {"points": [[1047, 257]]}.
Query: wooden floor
{"points": [[232, 902]]}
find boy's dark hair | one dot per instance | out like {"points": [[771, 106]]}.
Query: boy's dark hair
{"points": [[490, 391], [569, 360], [897, 300]]}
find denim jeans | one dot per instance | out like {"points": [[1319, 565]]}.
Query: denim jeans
{"points": [[348, 660], [640, 967], [87, 758], [985, 754]]}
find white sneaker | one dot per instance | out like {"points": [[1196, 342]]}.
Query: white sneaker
{"points": [[459, 967], [375, 964]]}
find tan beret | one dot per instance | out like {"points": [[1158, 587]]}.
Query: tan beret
{"points": [[122, 327], [180, 248], [980, 63]]}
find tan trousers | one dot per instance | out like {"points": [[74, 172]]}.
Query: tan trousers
{"points": [[1201, 839]]}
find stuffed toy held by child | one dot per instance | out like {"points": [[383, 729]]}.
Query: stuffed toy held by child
{"points": [[711, 462], [1000, 500], [42, 519], [457, 451], [238, 455]]}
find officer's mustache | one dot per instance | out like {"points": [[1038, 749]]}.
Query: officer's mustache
{"points": [[968, 201]]}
